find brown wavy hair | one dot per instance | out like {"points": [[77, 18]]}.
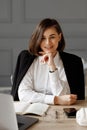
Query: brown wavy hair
{"points": [[35, 40]]}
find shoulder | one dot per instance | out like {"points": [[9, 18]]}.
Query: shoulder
{"points": [[24, 54], [71, 59], [69, 56], [25, 58]]}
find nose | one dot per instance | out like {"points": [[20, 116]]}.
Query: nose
{"points": [[47, 41]]}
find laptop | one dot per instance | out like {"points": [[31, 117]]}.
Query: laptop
{"points": [[8, 118]]}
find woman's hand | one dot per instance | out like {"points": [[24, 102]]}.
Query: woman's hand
{"points": [[48, 58], [65, 99]]}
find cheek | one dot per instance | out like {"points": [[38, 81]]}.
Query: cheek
{"points": [[56, 45], [42, 46]]}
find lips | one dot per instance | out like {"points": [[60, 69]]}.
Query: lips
{"points": [[48, 47]]}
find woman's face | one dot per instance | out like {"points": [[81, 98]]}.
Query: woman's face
{"points": [[50, 40]]}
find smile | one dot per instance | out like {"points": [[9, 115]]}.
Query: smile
{"points": [[49, 47]]}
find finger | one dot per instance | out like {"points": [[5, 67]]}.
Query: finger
{"points": [[42, 53], [74, 101], [73, 96], [46, 58]]}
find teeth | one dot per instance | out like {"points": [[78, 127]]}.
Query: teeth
{"points": [[48, 47]]}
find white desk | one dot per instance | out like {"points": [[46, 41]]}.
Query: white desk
{"points": [[49, 122]]}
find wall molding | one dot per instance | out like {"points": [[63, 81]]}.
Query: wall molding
{"points": [[9, 18], [4, 55], [68, 35], [62, 16]]}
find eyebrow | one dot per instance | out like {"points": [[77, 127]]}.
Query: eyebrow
{"points": [[50, 35]]}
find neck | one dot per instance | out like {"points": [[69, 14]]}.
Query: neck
{"points": [[54, 53]]}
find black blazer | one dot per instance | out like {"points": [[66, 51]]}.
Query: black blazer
{"points": [[73, 68]]}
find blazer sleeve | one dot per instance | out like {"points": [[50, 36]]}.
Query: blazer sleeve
{"points": [[75, 74], [24, 61]]}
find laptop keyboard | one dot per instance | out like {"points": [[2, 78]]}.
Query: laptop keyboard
{"points": [[20, 124]]}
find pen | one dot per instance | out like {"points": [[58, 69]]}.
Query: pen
{"points": [[56, 112]]}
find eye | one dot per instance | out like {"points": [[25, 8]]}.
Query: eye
{"points": [[43, 38], [52, 37]]}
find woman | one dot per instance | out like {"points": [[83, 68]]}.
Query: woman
{"points": [[53, 76]]}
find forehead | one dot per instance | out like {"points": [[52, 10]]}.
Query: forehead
{"points": [[50, 31]]}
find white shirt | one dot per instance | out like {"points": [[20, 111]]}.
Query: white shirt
{"points": [[39, 85]]}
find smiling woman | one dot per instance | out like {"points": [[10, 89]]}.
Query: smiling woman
{"points": [[50, 40], [48, 74], [49, 44]]}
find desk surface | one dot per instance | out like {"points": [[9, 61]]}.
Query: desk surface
{"points": [[50, 122]]}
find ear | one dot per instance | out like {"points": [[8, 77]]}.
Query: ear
{"points": [[59, 37]]}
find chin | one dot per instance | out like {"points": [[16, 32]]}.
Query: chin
{"points": [[48, 51]]}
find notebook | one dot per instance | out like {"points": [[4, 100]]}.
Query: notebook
{"points": [[8, 118]]}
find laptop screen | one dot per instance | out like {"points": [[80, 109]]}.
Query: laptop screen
{"points": [[8, 118]]}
